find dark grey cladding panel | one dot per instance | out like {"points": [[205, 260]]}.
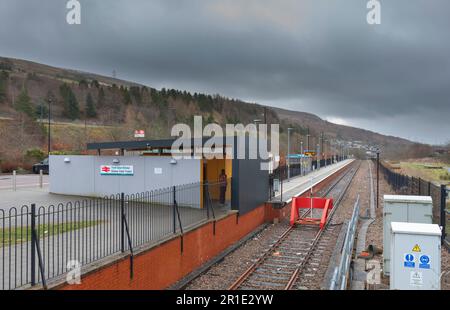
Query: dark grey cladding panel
{"points": [[251, 185]]}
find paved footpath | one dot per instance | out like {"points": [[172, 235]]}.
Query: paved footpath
{"points": [[22, 181], [27, 196]]}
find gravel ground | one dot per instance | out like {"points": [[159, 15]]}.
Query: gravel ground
{"points": [[375, 237], [223, 274], [342, 214], [359, 186]]}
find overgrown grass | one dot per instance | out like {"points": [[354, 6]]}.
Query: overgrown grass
{"points": [[423, 171], [18, 235]]}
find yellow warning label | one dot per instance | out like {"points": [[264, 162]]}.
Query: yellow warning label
{"points": [[416, 248]]}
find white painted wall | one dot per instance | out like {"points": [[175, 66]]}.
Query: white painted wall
{"points": [[81, 176]]}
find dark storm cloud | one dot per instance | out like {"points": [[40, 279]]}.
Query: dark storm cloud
{"points": [[317, 56]]}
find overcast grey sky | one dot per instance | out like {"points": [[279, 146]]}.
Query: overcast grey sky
{"points": [[317, 56]]}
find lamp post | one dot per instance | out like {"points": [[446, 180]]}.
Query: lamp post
{"points": [[318, 156], [288, 154], [322, 149], [307, 142], [49, 123], [301, 157], [378, 177]]}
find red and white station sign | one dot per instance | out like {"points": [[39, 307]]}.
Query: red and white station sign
{"points": [[139, 134]]}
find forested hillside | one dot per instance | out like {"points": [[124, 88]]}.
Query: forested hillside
{"points": [[87, 107]]}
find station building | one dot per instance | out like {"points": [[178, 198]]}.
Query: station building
{"points": [[132, 167]]}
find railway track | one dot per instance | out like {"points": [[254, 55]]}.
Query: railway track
{"points": [[297, 251]]}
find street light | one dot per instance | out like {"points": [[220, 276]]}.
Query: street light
{"points": [[322, 149], [288, 153], [257, 121], [378, 177], [307, 142], [318, 156], [49, 124]]}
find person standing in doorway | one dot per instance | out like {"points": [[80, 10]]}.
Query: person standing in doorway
{"points": [[223, 186]]}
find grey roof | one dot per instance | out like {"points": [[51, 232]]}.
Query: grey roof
{"points": [[139, 145]]}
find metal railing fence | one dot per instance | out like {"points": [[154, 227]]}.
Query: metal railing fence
{"points": [[281, 174], [41, 243], [409, 185], [341, 272]]}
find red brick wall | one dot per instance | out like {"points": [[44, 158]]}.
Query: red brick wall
{"points": [[162, 266]]}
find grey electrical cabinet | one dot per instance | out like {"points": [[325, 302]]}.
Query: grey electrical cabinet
{"points": [[416, 256], [401, 208]]}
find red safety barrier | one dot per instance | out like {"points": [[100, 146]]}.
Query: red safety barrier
{"points": [[326, 204]]}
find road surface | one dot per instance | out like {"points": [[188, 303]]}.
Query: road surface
{"points": [[22, 181]]}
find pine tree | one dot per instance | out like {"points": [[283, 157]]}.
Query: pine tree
{"points": [[24, 104], [101, 98], [3, 85], [126, 96], [71, 108], [90, 107]]}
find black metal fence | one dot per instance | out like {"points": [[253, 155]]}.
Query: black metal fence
{"points": [[409, 185], [281, 173], [42, 243]]}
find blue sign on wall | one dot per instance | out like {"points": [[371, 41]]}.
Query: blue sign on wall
{"points": [[424, 262], [409, 261]]}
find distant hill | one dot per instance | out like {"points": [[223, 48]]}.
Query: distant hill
{"points": [[392, 146], [82, 98]]}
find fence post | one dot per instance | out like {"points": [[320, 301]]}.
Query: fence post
{"points": [[443, 217], [122, 227], [33, 245], [174, 210], [41, 178], [14, 180]]}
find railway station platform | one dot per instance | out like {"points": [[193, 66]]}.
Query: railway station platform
{"points": [[299, 185]]}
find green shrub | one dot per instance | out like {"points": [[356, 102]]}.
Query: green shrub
{"points": [[60, 153], [35, 154]]}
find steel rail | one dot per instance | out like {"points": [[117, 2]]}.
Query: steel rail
{"points": [[244, 276], [302, 265]]}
